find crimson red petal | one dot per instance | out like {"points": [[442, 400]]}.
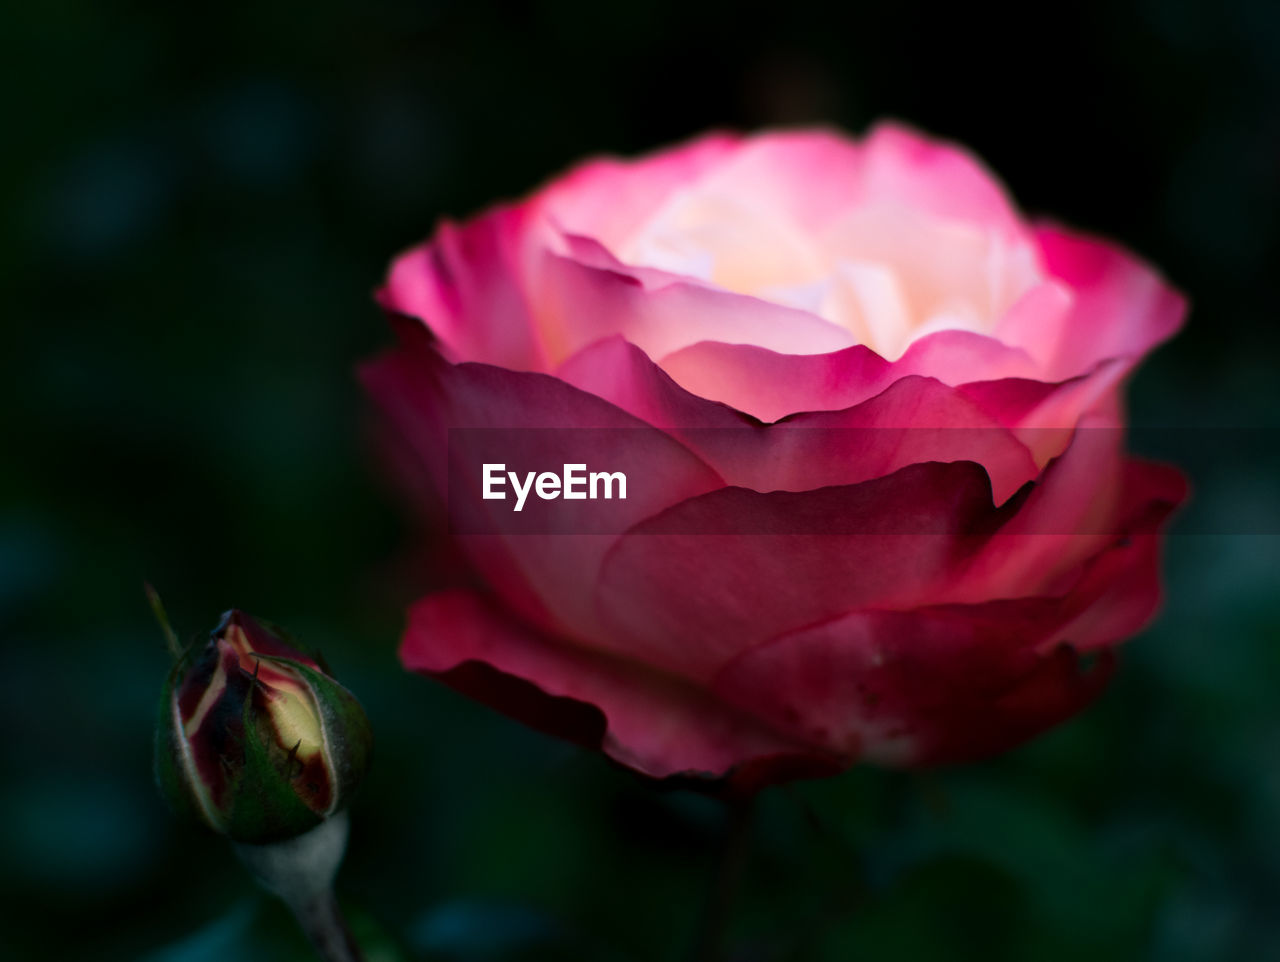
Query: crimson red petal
{"points": [[651, 722]]}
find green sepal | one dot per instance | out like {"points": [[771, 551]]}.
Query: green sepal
{"points": [[170, 774]]}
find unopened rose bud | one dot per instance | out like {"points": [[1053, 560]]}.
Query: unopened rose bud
{"points": [[255, 739]]}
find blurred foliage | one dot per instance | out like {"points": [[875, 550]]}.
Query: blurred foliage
{"points": [[197, 204]]}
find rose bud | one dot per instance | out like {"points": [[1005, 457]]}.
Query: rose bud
{"points": [[255, 739], [871, 420]]}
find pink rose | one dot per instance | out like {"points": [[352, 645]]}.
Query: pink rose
{"points": [[873, 420]]}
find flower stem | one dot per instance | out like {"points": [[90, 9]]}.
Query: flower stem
{"points": [[708, 945], [300, 871], [321, 920]]}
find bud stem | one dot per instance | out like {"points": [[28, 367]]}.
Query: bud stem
{"points": [[300, 871], [321, 919]]}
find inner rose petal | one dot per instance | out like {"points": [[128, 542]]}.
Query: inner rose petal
{"points": [[726, 241], [886, 272]]}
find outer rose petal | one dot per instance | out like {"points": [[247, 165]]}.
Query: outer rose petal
{"points": [[652, 723], [541, 575], [1083, 501], [1044, 415], [466, 285], [918, 687], [691, 589], [695, 586], [953, 682], [933, 685]]}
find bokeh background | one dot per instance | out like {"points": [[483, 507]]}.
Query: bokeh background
{"points": [[197, 203]]}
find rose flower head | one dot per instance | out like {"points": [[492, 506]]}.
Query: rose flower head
{"points": [[255, 739], [871, 420]]}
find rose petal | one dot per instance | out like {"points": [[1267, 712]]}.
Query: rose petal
{"points": [[816, 176], [583, 304], [913, 420], [810, 176], [948, 683], [1043, 416], [609, 198], [773, 384], [944, 178], [466, 284], [652, 723], [1122, 308], [535, 422], [914, 687], [1084, 500], [693, 587]]}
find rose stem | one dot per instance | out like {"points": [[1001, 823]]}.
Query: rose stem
{"points": [[708, 945], [300, 871], [321, 920]]}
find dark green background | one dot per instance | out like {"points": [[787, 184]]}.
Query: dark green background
{"points": [[198, 201]]}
